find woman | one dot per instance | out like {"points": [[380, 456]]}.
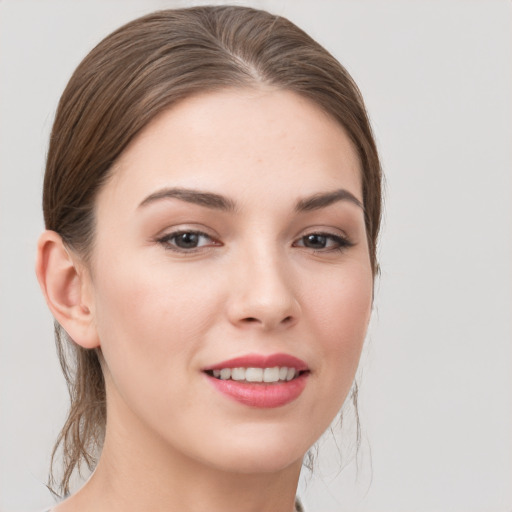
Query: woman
{"points": [[212, 205]]}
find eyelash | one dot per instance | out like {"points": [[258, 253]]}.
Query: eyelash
{"points": [[341, 242]]}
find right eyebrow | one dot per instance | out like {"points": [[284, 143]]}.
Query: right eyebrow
{"points": [[207, 199]]}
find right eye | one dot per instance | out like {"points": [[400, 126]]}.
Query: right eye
{"points": [[186, 241]]}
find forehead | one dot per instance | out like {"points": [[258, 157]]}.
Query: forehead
{"points": [[238, 141]]}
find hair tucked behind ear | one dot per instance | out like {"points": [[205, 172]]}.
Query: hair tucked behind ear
{"points": [[130, 77]]}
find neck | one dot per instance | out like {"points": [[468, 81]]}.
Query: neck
{"points": [[138, 471]]}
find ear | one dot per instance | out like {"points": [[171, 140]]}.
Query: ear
{"points": [[66, 286]]}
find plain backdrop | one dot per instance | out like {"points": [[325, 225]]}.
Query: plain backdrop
{"points": [[436, 379]]}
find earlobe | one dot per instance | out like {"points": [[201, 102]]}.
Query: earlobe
{"points": [[63, 283]]}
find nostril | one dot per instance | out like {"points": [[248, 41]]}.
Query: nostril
{"points": [[254, 320]]}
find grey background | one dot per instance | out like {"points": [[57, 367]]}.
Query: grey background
{"points": [[436, 380]]}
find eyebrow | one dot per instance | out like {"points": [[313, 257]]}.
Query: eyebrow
{"points": [[219, 202], [322, 200], [207, 199]]}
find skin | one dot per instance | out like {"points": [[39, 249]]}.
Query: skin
{"points": [[254, 284]]}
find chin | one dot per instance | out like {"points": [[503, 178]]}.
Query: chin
{"points": [[263, 453], [258, 464]]}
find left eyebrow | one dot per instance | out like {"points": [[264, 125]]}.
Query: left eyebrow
{"points": [[322, 200]]}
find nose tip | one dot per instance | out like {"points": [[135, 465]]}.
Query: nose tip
{"points": [[264, 298]]}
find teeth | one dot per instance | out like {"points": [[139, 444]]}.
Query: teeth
{"points": [[290, 374], [254, 375], [268, 375], [225, 373], [238, 373], [271, 374]]}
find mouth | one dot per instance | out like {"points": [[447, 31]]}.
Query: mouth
{"points": [[274, 375], [260, 381]]}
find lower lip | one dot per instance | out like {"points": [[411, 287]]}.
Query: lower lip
{"points": [[261, 395]]}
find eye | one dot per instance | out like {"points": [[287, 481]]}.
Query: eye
{"points": [[323, 242], [187, 241]]}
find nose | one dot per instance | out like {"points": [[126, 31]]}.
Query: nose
{"points": [[263, 294]]}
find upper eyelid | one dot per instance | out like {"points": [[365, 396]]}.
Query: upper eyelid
{"points": [[185, 228], [177, 232], [326, 231], [327, 234]]}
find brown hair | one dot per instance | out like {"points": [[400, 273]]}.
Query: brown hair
{"points": [[122, 84]]}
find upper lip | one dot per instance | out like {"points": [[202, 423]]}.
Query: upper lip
{"points": [[261, 361]]}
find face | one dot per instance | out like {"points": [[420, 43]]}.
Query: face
{"points": [[231, 235]]}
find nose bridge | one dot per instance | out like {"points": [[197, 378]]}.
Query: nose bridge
{"points": [[265, 294]]}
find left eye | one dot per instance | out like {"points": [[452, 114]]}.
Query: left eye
{"points": [[186, 240], [321, 241]]}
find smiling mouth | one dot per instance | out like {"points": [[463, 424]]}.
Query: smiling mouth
{"points": [[273, 375], [260, 381]]}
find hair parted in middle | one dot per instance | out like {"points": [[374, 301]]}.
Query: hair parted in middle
{"points": [[130, 77]]}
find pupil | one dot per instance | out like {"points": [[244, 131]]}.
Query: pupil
{"points": [[187, 240], [316, 241]]}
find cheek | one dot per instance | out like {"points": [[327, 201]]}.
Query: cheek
{"points": [[128, 315], [343, 298], [341, 313], [148, 316], [145, 325]]}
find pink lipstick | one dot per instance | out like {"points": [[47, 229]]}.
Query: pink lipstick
{"points": [[256, 380]]}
